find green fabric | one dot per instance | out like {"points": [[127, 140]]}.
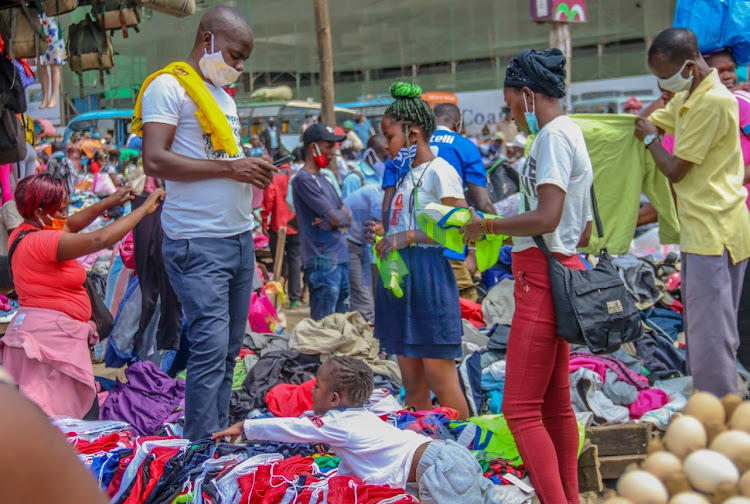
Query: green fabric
{"points": [[181, 499], [392, 270], [126, 154], [495, 438], [623, 168], [240, 373], [327, 461], [182, 376], [488, 248]]}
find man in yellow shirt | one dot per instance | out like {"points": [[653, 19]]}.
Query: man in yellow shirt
{"points": [[707, 173]]}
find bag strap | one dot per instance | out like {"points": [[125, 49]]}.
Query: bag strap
{"points": [[13, 248], [539, 241]]}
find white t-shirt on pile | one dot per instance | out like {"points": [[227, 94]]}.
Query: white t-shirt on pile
{"points": [[214, 208], [559, 157], [368, 447], [435, 180]]}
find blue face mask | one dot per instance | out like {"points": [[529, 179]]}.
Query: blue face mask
{"points": [[404, 159], [531, 121]]}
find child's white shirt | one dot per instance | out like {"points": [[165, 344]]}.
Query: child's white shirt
{"points": [[368, 447]]}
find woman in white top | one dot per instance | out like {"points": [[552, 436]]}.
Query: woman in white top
{"points": [[555, 204]]}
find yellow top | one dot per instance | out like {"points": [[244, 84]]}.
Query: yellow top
{"points": [[210, 116], [711, 198]]}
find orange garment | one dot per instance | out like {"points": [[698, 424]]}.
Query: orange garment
{"points": [[44, 282], [89, 145]]}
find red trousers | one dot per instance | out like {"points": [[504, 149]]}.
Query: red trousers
{"points": [[536, 400]]}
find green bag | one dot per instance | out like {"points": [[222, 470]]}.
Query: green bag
{"points": [[392, 270], [442, 223]]}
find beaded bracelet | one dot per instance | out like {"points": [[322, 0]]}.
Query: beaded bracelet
{"points": [[484, 227]]}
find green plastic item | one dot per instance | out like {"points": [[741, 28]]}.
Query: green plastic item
{"points": [[442, 223], [240, 373], [494, 437], [392, 270]]}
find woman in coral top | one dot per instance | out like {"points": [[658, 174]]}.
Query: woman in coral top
{"points": [[45, 348]]}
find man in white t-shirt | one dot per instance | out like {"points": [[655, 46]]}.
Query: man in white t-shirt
{"points": [[208, 246]]}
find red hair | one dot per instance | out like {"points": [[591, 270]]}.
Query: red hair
{"points": [[40, 191]]}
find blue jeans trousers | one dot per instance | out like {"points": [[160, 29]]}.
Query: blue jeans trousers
{"points": [[329, 289], [212, 277]]}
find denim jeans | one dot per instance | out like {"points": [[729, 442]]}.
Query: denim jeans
{"points": [[329, 289], [212, 277]]}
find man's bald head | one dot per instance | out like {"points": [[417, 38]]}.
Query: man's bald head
{"points": [[224, 19], [224, 29]]}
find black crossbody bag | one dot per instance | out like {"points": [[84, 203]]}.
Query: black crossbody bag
{"points": [[592, 306]]}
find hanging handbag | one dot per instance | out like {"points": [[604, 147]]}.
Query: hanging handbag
{"points": [[89, 48], [56, 7], [12, 102], [116, 14], [178, 8], [592, 306], [21, 27]]}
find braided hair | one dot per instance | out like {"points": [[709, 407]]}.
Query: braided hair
{"points": [[409, 107], [351, 377]]}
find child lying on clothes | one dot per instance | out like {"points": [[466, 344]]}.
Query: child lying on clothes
{"points": [[368, 447]]}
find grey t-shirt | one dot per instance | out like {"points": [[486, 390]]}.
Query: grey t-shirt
{"points": [[559, 157]]}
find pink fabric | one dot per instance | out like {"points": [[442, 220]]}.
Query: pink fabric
{"points": [[648, 400], [127, 251], [88, 261], [743, 101], [5, 182], [47, 353], [668, 143]]}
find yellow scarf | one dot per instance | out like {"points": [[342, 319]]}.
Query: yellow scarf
{"points": [[211, 118]]}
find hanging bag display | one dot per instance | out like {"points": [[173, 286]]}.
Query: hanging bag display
{"points": [[118, 14], [89, 48], [178, 8], [592, 306]]}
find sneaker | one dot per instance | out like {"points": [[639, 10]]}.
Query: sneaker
{"points": [[294, 304]]}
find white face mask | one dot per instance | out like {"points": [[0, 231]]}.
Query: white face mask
{"points": [[374, 161], [677, 83], [215, 69]]}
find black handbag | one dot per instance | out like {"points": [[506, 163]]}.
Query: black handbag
{"points": [[592, 306]]}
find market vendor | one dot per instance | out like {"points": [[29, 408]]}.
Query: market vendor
{"points": [[45, 348], [707, 173]]}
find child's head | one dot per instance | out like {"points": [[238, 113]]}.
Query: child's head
{"points": [[342, 381], [408, 120]]}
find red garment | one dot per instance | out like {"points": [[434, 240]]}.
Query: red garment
{"points": [[286, 400], [95, 167], [349, 489], [102, 444], [257, 487], [536, 382], [274, 203], [472, 312], [44, 282]]}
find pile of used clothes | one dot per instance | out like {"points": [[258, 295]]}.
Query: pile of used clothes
{"points": [[134, 466]]}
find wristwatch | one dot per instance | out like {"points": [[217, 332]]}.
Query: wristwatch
{"points": [[649, 139]]}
